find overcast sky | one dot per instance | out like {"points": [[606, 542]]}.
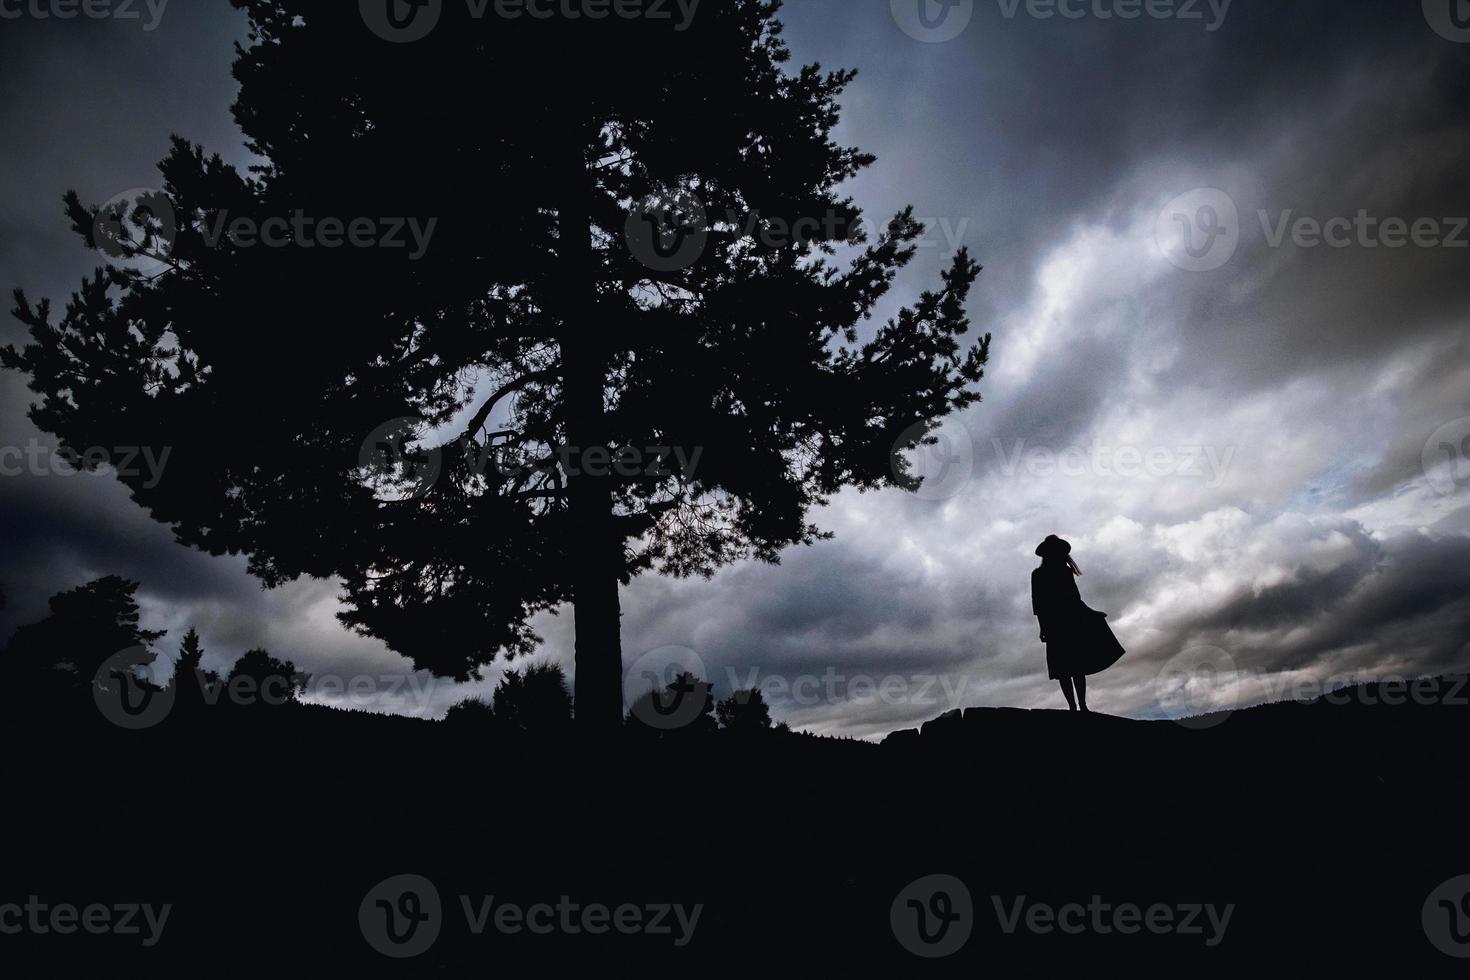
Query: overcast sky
{"points": [[1244, 435]]}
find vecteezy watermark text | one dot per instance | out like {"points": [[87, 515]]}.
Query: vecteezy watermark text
{"points": [[90, 9], [38, 918], [1202, 686], [143, 223], [126, 699], [1102, 918], [936, 21], [1209, 463], [402, 917], [405, 21], [1200, 230], [934, 916], [1363, 230], [300, 230], [397, 464], [1211, 12], [571, 918], [144, 463], [668, 230], [834, 687]]}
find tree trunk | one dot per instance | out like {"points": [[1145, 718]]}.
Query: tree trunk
{"points": [[596, 554], [596, 550]]}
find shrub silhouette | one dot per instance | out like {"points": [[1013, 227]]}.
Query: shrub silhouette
{"points": [[471, 712], [685, 708], [744, 711], [535, 701], [259, 680]]}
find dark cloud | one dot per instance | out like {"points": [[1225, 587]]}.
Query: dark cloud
{"points": [[1307, 594]]}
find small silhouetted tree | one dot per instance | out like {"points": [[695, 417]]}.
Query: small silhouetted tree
{"points": [[191, 654], [662, 257], [194, 685], [744, 712], [258, 679], [535, 701]]}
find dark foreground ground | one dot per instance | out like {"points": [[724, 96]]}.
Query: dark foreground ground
{"points": [[1326, 827]]}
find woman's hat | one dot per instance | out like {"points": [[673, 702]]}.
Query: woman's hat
{"points": [[1053, 545]]}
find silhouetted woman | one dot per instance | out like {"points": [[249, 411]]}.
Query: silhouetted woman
{"points": [[1078, 639]]}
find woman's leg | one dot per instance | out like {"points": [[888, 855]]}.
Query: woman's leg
{"points": [[1081, 683], [1066, 683]]}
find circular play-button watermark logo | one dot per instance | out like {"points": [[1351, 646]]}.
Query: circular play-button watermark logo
{"points": [[139, 223], [1449, 18], [932, 21], [944, 466], [1446, 917], [124, 698], [394, 463], [1446, 457], [401, 916], [1199, 231], [665, 689], [933, 917], [667, 231], [1196, 687], [401, 21]]}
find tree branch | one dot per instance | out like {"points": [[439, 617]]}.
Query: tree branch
{"points": [[483, 414]]}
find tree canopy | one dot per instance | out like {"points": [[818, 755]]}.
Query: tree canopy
{"points": [[636, 336]]}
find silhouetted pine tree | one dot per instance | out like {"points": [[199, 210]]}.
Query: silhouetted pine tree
{"points": [[58, 657], [639, 244], [191, 654], [194, 685], [533, 702]]}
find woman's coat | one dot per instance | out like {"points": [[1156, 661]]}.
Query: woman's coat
{"points": [[1078, 639]]}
